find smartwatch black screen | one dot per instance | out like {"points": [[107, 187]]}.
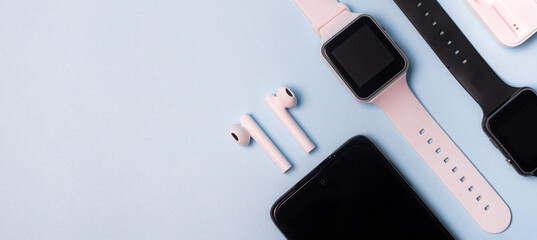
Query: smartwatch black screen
{"points": [[515, 127], [364, 57]]}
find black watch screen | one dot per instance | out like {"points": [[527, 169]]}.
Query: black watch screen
{"points": [[514, 126], [364, 57]]}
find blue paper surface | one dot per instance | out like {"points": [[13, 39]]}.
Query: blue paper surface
{"points": [[115, 117]]}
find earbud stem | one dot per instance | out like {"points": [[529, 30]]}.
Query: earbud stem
{"points": [[290, 123], [261, 138]]}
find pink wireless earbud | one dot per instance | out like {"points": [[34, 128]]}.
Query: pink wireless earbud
{"points": [[284, 99], [249, 129]]}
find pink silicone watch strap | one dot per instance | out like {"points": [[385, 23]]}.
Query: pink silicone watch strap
{"points": [[321, 12], [441, 154]]}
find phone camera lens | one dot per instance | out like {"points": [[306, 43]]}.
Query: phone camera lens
{"points": [[322, 181]]}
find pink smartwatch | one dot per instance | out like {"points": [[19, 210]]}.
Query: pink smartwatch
{"points": [[373, 68]]}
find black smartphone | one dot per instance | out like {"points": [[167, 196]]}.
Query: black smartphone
{"points": [[356, 193]]}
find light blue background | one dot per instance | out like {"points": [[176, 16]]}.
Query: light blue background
{"points": [[115, 115]]}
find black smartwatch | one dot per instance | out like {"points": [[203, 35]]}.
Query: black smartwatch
{"points": [[509, 113]]}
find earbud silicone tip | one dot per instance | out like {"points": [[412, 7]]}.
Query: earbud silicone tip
{"points": [[240, 135]]}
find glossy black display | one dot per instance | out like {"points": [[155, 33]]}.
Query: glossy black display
{"points": [[355, 194], [364, 57], [515, 128]]}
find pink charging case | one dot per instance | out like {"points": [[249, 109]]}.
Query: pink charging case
{"points": [[511, 22]]}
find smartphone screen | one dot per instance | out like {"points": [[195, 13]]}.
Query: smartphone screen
{"points": [[355, 193]]}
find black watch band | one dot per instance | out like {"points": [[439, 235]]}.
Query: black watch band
{"points": [[457, 53]]}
